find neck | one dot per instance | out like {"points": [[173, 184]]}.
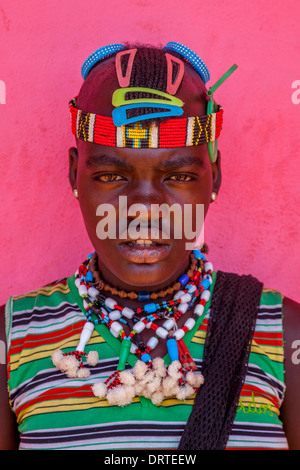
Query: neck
{"points": [[163, 287]]}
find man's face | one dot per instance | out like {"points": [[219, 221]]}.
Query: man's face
{"points": [[103, 174]]}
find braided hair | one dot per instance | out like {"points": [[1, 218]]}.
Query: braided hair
{"points": [[149, 70]]}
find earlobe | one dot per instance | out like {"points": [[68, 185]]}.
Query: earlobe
{"points": [[73, 164], [217, 175]]}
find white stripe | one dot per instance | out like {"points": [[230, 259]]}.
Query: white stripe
{"points": [[267, 328], [250, 424], [270, 307], [154, 136], [46, 309], [120, 132], [77, 121], [213, 127], [68, 318], [263, 387], [267, 444], [106, 446], [257, 369], [91, 127], [8, 321], [189, 134]]}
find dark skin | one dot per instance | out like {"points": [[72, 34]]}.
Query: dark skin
{"points": [[147, 176], [142, 176]]}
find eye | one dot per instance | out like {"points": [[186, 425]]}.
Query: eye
{"points": [[108, 178], [181, 178]]}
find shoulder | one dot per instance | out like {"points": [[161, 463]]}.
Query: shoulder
{"points": [[8, 433], [49, 294], [290, 412], [291, 314], [2, 324], [291, 333], [291, 329], [36, 306]]}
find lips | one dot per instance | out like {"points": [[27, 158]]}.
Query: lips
{"points": [[145, 242], [147, 237], [144, 250]]}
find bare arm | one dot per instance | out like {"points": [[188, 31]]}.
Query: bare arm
{"points": [[9, 439], [290, 411]]}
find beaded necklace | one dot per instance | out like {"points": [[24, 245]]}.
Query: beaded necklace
{"points": [[100, 284], [149, 378]]}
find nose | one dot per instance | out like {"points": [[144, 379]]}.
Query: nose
{"points": [[143, 206], [145, 195]]}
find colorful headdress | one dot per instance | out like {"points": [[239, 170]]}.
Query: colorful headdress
{"points": [[127, 130]]}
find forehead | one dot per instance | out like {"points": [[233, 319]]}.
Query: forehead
{"points": [[94, 157], [96, 92]]}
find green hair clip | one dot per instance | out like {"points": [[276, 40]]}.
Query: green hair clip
{"points": [[211, 108], [119, 95]]}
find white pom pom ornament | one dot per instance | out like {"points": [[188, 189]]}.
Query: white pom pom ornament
{"points": [[72, 363]]}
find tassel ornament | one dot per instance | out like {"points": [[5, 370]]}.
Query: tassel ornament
{"points": [[153, 381], [72, 362]]}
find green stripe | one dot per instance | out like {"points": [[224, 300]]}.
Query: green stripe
{"points": [[142, 410]]}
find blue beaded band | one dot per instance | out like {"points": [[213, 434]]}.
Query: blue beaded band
{"points": [[192, 58], [97, 56], [144, 296]]}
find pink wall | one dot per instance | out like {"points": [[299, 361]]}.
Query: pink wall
{"points": [[254, 225]]}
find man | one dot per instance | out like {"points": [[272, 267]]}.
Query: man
{"points": [[147, 173]]}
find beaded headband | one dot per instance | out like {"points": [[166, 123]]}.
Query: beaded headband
{"points": [[181, 132]]}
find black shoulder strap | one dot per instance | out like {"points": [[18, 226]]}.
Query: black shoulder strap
{"points": [[233, 313]]}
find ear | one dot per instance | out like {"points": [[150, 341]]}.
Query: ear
{"points": [[73, 164], [216, 171]]}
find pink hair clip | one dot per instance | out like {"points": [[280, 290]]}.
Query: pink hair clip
{"points": [[125, 79], [172, 87]]}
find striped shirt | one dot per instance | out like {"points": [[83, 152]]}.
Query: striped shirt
{"points": [[57, 412]]}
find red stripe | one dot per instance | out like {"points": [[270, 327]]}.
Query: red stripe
{"points": [[74, 112], [269, 342], [56, 283], [204, 325], [259, 393], [59, 394], [33, 341], [167, 135], [261, 334], [219, 121], [104, 131]]}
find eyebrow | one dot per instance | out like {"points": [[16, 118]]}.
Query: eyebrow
{"points": [[171, 164], [180, 162], [107, 160]]}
